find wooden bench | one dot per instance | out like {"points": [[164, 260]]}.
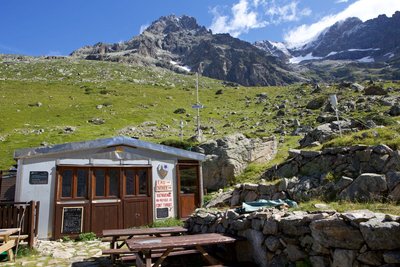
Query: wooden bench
{"points": [[15, 237], [159, 253]]}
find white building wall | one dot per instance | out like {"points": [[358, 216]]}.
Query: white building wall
{"points": [[39, 192]]}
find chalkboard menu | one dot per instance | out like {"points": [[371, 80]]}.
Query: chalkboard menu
{"points": [[38, 177], [162, 212], [72, 220]]}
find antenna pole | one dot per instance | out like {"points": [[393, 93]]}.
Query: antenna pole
{"points": [[198, 103]]}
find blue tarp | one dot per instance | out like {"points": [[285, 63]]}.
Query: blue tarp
{"points": [[263, 203]]}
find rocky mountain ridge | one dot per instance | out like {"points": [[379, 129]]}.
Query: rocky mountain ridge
{"points": [[180, 44], [375, 40]]}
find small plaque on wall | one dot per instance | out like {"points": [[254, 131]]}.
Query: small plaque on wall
{"points": [[38, 177], [72, 218], [162, 213]]}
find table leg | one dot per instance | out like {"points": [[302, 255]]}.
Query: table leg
{"points": [[7, 245], [162, 258], [211, 260]]}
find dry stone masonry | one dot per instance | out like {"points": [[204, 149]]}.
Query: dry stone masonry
{"points": [[275, 237], [357, 173]]}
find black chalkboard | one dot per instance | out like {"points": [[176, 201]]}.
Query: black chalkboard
{"points": [[162, 213], [38, 177], [72, 220]]}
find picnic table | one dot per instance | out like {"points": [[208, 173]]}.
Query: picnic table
{"points": [[7, 243], [120, 236], [143, 248]]}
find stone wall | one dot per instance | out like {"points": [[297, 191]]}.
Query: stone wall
{"points": [[229, 156], [276, 237], [357, 173], [347, 161]]}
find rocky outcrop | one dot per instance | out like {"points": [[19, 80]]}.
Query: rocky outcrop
{"points": [[276, 237], [229, 156]]}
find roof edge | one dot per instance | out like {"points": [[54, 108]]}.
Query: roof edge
{"points": [[105, 142]]}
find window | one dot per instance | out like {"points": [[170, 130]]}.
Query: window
{"points": [[129, 182], [67, 177], [136, 181], [100, 177], [188, 179], [106, 182], [82, 175], [73, 182]]}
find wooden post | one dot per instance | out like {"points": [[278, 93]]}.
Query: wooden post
{"points": [[37, 218], [31, 224], [1, 181]]}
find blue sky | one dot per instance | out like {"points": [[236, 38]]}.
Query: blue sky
{"points": [[57, 27]]}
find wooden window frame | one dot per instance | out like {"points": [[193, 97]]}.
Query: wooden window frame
{"points": [[106, 183], [74, 187], [136, 182]]}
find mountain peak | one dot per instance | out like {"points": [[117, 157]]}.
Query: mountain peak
{"points": [[173, 23]]}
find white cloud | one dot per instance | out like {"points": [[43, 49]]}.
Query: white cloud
{"points": [[288, 12], [341, 1], [143, 28], [252, 14], [363, 9], [244, 17]]}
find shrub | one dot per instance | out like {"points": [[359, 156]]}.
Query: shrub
{"points": [[187, 145], [87, 236]]}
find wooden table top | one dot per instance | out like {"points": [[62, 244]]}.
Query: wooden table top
{"points": [[144, 231], [8, 231], [178, 241]]}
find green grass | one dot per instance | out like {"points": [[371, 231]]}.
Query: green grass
{"points": [[342, 206], [388, 135], [167, 223]]}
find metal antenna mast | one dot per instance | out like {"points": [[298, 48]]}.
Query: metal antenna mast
{"points": [[198, 106]]}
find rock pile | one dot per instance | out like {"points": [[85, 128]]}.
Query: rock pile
{"points": [[325, 238]]}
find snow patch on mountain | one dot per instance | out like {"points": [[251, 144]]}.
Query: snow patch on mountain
{"points": [[296, 60], [366, 60]]}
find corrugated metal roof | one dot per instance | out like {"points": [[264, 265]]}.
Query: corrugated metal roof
{"points": [[107, 142]]}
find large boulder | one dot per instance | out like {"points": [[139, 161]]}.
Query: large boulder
{"points": [[366, 187], [394, 110], [379, 234], [375, 90], [336, 233], [229, 156]]}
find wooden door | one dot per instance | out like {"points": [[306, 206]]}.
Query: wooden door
{"points": [[137, 197], [106, 210], [105, 216], [188, 189]]}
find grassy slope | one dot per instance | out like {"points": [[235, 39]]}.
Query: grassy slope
{"points": [[70, 90]]}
